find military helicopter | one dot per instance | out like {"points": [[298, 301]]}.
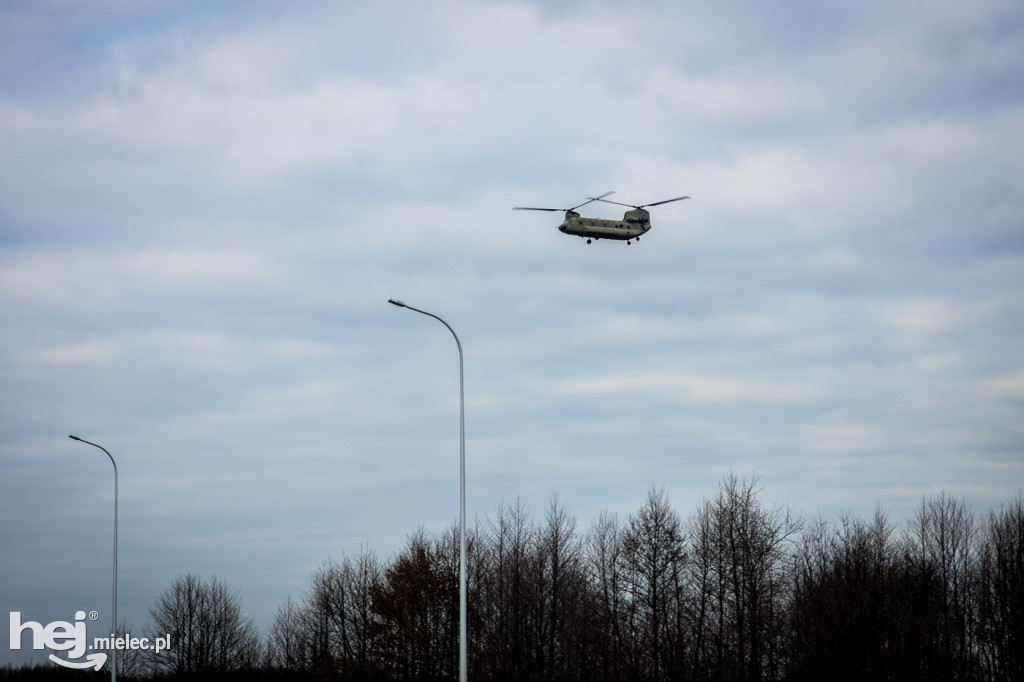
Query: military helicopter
{"points": [[633, 224]]}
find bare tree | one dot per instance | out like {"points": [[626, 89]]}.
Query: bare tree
{"points": [[742, 568], [706, 581], [131, 663], [417, 607], [339, 626], [562, 591], [942, 555], [652, 552], [604, 562], [208, 626], [286, 647], [844, 617], [1000, 587], [506, 596]]}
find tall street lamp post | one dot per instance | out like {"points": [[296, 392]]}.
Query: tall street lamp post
{"points": [[462, 493], [113, 618]]}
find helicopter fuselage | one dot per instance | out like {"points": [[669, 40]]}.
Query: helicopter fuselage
{"points": [[633, 224]]}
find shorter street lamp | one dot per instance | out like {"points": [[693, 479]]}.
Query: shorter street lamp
{"points": [[113, 620]]}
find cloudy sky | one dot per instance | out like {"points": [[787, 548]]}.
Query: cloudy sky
{"points": [[204, 208]]}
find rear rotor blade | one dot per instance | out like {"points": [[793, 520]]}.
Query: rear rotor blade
{"points": [[531, 208], [659, 203]]}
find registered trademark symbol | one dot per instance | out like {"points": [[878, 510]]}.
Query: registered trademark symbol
{"points": [[94, 615]]}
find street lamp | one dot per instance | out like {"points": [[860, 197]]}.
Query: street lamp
{"points": [[113, 619], [462, 492]]}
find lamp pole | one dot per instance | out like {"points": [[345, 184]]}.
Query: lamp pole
{"points": [[113, 618], [462, 492]]}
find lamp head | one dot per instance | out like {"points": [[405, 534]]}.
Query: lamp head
{"points": [[398, 303]]}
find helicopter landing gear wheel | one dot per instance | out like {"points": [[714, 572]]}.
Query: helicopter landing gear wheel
{"points": [[588, 241], [628, 242]]}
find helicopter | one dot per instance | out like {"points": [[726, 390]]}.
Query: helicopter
{"points": [[633, 224]]}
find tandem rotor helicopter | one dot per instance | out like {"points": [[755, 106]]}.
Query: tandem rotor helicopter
{"points": [[633, 224]]}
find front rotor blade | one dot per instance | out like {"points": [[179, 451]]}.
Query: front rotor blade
{"points": [[659, 203], [590, 199], [618, 203], [578, 205]]}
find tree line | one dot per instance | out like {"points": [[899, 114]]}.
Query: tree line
{"points": [[738, 591]]}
